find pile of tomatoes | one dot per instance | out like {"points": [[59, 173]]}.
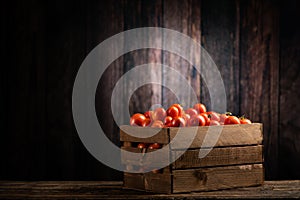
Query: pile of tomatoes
{"points": [[176, 116]]}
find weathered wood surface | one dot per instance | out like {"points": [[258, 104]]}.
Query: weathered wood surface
{"points": [[289, 126], [114, 190], [128, 133], [43, 45], [231, 135], [143, 158], [259, 75], [219, 156], [216, 178], [220, 24]]}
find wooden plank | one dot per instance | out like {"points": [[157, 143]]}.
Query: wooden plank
{"points": [[217, 178], [289, 126], [220, 23], [232, 135], [182, 16], [219, 156], [113, 190], [259, 75], [134, 181], [159, 183], [161, 135], [142, 14], [102, 20], [144, 158]]}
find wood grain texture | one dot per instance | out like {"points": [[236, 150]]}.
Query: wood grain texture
{"points": [[44, 43], [259, 88], [143, 158], [114, 190], [231, 135], [183, 16], [143, 14], [219, 156], [289, 138], [103, 20], [220, 23], [127, 133], [217, 178], [134, 181]]}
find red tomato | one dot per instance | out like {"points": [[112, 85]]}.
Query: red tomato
{"points": [[223, 117], [154, 146], [173, 112], [159, 114], [178, 121], [245, 121], [179, 107], [142, 146], [191, 111], [168, 120], [200, 108], [158, 124], [214, 116], [137, 119], [197, 120], [146, 122], [214, 123], [148, 114], [207, 119], [186, 117], [232, 120]]}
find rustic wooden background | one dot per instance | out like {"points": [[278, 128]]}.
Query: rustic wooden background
{"points": [[255, 44]]}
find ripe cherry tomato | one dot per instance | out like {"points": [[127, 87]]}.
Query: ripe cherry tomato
{"points": [[173, 112], [186, 117], [146, 122], [168, 120], [207, 119], [223, 117], [159, 114], [214, 116], [179, 107], [214, 123], [197, 120], [244, 120], [191, 111], [137, 119], [232, 120], [154, 146], [148, 114], [157, 124], [200, 108], [142, 146], [178, 122]]}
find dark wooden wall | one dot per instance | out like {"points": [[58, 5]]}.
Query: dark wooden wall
{"points": [[255, 44]]}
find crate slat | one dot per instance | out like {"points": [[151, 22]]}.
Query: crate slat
{"points": [[216, 178], [232, 135], [161, 135], [219, 157], [140, 159]]}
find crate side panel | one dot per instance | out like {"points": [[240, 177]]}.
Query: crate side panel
{"points": [[160, 183], [144, 158], [215, 178], [218, 157], [231, 135], [134, 181], [144, 134]]}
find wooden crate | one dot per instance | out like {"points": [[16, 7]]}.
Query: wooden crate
{"points": [[236, 160]]}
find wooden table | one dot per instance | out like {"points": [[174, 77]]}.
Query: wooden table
{"points": [[114, 190]]}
